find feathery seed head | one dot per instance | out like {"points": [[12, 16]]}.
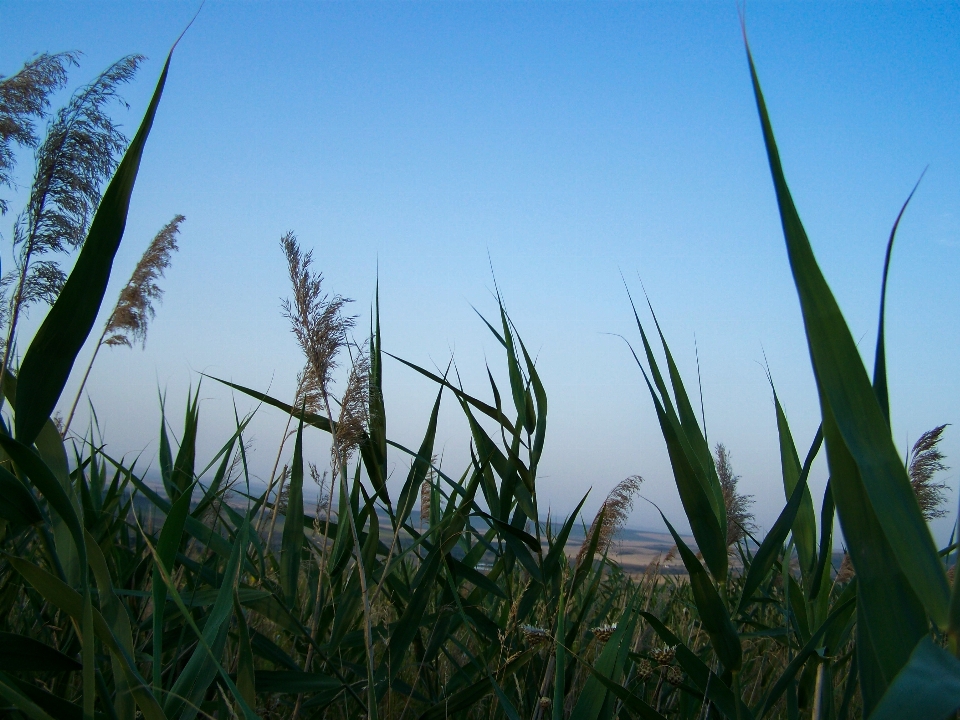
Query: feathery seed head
{"points": [[24, 98], [316, 319], [926, 460], [80, 151], [351, 427], [739, 519], [134, 310], [615, 510]]}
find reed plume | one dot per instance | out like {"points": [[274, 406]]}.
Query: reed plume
{"points": [[926, 460], [317, 320], [612, 515], [739, 519], [320, 327], [24, 98], [134, 310], [78, 154], [352, 424]]}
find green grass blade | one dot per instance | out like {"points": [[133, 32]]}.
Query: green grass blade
{"points": [[713, 612], [839, 615], [927, 688], [44, 480], [53, 350], [709, 683], [710, 537], [291, 544], [772, 544], [170, 536], [880, 358], [17, 504], [805, 523], [62, 596], [246, 676], [822, 575], [608, 666], [850, 405], [183, 466]]}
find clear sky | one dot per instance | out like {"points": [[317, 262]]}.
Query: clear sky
{"points": [[563, 143]]}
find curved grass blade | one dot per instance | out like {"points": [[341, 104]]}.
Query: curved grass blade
{"points": [[927, 688], [713, 612], [61, 595], [822, 573], [53, 350], [880, 360], [17, 504], [839, 614], [291, 544], [709, 683], [848, 399], [805, 523], [770, 547]]}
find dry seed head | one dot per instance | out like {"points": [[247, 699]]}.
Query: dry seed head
{"points": [[316, 319], [79, 152], [739, 520], [926, 460], [644, 670], [615, 511], [664, 655], [25, 97], [846, 571], [309, 393], [354, 406], [604, 632], [534, 636], [134, 310], [675, 676]]}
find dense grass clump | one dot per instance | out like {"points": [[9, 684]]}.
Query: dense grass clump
{"points": [[454, 597]]}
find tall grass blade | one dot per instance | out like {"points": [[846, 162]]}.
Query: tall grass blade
{"points": [[880, 358], [53, 350], [713, 612], [291, 544], [878, 510], [927, 688]]}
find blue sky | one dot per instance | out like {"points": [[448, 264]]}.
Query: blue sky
{"points": [[563, 144]]}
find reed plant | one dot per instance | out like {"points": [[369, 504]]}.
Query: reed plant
{"points": [[121, 600]]}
